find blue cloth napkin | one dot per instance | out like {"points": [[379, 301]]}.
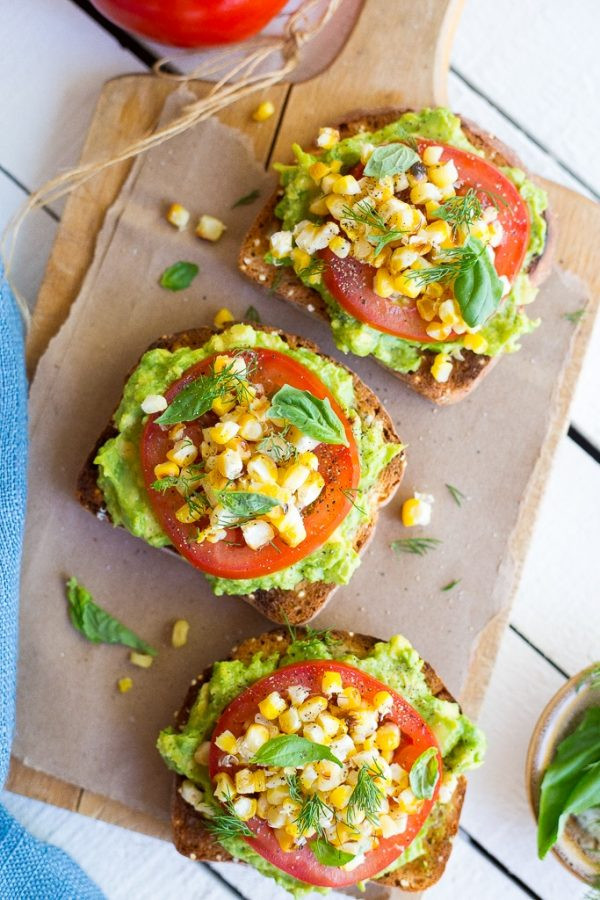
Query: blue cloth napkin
{"points": [[29, 869]]}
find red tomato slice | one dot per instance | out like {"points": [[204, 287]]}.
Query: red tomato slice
{"points": [[416, 738], [351, 282], [232, 558]]}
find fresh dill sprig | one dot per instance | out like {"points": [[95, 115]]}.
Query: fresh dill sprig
{"points": [[311, 634], [418, 546], [293, 783], [576, 316], [456, 495], [277, 448], [186, 483], [228, 824], [363, 214], [313, 809], [454, 262], [460, 211], [366, 796], [348, 494], [451, 584], [315, 267]]}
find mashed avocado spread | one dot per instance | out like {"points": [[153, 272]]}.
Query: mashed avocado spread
{"points": [[395, 663], [121, 479], [502, 331]]}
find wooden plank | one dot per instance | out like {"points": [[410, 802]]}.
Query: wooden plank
{"points": [[561, 578], [496, 808]]}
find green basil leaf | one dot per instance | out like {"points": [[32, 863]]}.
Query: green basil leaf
{"points": [[576, 756], [310, 415], [391, 159], [243, 504], [193, 401], [328, 855], [477, 288], [252, 315], [292, 750], [247, 199], [178, 276], [98, 626], [424, 774]]}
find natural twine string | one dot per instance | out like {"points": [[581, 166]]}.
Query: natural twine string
{"points": [[239, 80]]}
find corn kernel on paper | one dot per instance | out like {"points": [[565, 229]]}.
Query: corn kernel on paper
{"points": [[72, 720]]}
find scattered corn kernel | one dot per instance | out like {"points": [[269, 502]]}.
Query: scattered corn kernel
{"points": [[223, 317], [166, 470], [475, 342], [179, 635], [143, 660], [154, 403], [441, 368], [328, 138], [178, 216], [263, 111], [272, 706], [417, 510], [124, 685], [209, 228]]}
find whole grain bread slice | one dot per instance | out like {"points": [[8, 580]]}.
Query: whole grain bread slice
{"points": [[194, 840], [283, 282], [304, 601]]}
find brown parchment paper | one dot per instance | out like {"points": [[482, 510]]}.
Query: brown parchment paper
{"points": [[72, 723]]}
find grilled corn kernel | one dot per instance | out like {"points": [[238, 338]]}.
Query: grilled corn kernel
{"points": [[263, 469], [293, 477], [402, 258], [263, 111], [223, 316], [421, 193], [183, 452], [256, 736], [308, 776], [166, 470], [318, 170], [245, 808], [340, 246], [250, 782], [280, 244], [285, 840], [226, 742], [178, 216], [438, 232], [187, 515], [431, 208], [441, 368], [291, 526], [210, 228], [143, 660], [438, 331], [383, 702], [250, 428], [432, 155], [202, 753], [346, 184], [179, 635], [311, 708], [331, 683], [448, 312], [311, 460], [257, 533], [124, 685], [224, 404], [336, 205], [408, 287], [272, 706], [427, 308], [417, 510], [289, 721], [229, 464], [154, 403], [383, 283], [330, 724], [407, 802], [443, 176], [388, 736], [349, 698], [340, 797], [318, 207], [225, 788], [223, 432], [475, 342], [328, 138]]}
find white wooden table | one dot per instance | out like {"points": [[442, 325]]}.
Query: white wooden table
{"points": [[528, 70]]}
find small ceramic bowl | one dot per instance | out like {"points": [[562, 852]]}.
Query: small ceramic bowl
{"points": [[576, 849]]}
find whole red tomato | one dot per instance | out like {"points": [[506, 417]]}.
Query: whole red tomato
{"points": [[191, 23]]}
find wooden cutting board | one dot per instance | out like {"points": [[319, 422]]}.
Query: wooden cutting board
{"points": [[400, 60]]}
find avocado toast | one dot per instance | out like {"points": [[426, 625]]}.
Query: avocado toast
{"points": [[377, 252], [292, 521], [418, 857]]}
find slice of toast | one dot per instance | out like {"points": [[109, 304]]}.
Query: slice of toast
{"points": [[303, 602], [194, 840], [282, 281]]}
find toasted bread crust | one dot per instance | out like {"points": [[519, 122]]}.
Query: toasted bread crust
{"points": [[466, 374], [193, 839], [307, 599]]}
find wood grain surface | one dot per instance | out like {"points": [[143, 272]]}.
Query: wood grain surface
{"points": [[131, 105]]}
